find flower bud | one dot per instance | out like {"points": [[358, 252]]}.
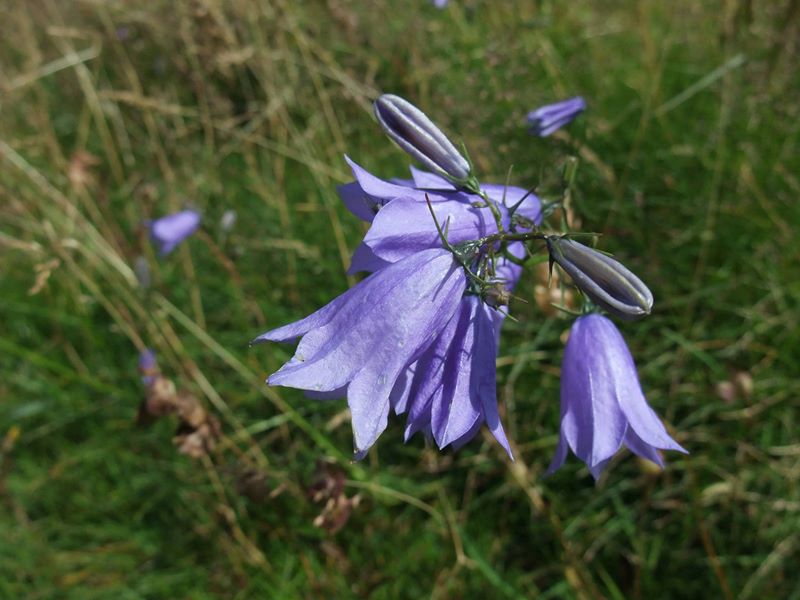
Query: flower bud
{"points": [[545, 120], [605, 280], [420, 137]]}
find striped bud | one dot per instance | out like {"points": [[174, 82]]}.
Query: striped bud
{"points": [[607, 282], [420, 137]]}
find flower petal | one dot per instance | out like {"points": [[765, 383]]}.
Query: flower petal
{"points": [[431, 181], [358, 202], [405, 226], [642, 419], [642, 448], [456, 409], [484, 374], [560, 455], [317, 319], [593, 422], [364, 259], [376, 187], [402, 301]]}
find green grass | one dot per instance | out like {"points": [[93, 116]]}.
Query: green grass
{"points": [[690, 164]]}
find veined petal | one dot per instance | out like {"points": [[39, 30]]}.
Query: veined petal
{"points": [[602, 404], [642, 448], [376, 187], [358, 202], [529, 207], [507, 271], [405, 226], [431, 181], [402, 302], [402, 389], [562, 449], [593, 423], [457, 410], [428, 380], [316, 319], [642, 419], [379, 191], [483, 378]]}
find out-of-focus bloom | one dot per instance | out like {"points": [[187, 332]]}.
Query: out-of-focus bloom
{"points": [[545, 120], [362, 342], [148, 367], [440, 3], [228, 220], [415, 133], [167, 232], [402, 223], [606, 281], [602, 404]]}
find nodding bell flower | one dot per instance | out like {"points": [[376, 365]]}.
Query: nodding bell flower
{"points": [[602, 404], [607, 282], [415, 133], [169, 231]]}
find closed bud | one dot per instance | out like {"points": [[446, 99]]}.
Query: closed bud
{"points": [[607, 282], [415, 133]]}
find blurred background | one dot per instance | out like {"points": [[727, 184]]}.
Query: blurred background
{"points": [[116, 112]]}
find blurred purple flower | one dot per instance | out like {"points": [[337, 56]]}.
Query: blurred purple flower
{"points": [[148, 367], [440, 3], [167, 232], [602, 404], [359, 344], [545, 120]]}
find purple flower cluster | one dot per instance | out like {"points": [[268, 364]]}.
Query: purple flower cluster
{"points": [[419, 335], [434, 356]]}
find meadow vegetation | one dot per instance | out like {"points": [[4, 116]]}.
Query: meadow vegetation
{"points": [[112, 113]]}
